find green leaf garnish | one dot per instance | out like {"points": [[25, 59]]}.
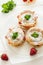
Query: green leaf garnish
{"points": [[15, 35], [5, 10], [5, 6], [27, 17], [11, 5], [35, 35], [8, 6]]}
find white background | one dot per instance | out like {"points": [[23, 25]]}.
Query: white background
{"points": [[7, 20]]}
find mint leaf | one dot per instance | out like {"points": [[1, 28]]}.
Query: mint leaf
{"points": [[5, 6], [11, 5], [8, 6], [15, 35], [5, 10], [27, 17], [35, 35]]}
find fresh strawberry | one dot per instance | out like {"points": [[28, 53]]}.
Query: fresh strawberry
{"points": [[33, 51], [24, 0], [31, 0], [4, 57]]}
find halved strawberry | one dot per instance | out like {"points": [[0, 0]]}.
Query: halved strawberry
{"points": [[33, 51], [24, 0], [31, 0], [4, 57]]}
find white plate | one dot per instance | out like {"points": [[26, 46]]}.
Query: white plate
{"points": [[20, 54], [1, 47]]}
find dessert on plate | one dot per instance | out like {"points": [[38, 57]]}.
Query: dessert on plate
{"points": [[15, 36], [27, 19], [29, 1], [34, 36]]}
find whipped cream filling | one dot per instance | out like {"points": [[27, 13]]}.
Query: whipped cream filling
{"points": [[38, 39], [30, 21]]}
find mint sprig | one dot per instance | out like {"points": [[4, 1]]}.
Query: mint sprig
{"points": [[15, 35], [27, 17], [35, 35], [8, 6]]}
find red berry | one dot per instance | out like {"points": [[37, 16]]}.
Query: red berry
{"points": [[33, 51], [31, 0], [4, 57], [24, 0], [20, 23]]}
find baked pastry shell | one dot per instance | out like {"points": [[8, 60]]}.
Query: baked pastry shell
{"points": [[30, 41], [10, 42], [27, 26]]}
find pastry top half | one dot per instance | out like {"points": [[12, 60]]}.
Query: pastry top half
{"points": [[27, 19], [35, 36], [15, 36]]}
